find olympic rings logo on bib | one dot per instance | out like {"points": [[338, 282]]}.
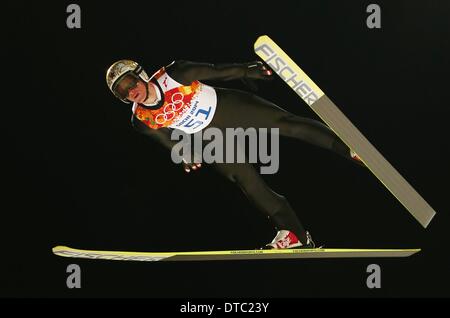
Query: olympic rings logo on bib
{"points": [[170, 110]]}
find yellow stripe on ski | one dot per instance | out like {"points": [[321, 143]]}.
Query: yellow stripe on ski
{"points": [[289, 71], [233, 254]]}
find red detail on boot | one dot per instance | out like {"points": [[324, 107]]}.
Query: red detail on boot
{"points": [[285, 239], [355, 156], [288, 241]]}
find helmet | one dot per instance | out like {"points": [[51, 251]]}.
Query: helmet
{"points": [[118, 70]]}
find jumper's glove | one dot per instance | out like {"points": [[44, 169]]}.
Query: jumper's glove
{"points": [[256, 70], [188, 166], [191, 166]]}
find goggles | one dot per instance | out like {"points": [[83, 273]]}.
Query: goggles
{"points": [[125, 84]]}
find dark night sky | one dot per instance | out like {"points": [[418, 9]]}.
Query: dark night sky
{"points": [[77, 174]]}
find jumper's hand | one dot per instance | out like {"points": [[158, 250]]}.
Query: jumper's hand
{"points": [[191, 166], [257, 70]]}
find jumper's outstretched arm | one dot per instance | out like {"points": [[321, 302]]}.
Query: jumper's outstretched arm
{"points": [[190, 71], [162, 136]]}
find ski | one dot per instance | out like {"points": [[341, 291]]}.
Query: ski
{"points": [[232, 255], [297, 80]]}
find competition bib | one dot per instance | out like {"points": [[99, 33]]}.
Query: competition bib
{"points": [[188, 108]]}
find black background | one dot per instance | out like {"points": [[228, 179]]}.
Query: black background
{"points": [[77, 174]]}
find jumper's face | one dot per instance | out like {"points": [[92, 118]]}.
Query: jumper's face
{"points": [[138, 94], [132, 88]]}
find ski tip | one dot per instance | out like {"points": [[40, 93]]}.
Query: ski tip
{"points": [[261, 38], [58, 248]]}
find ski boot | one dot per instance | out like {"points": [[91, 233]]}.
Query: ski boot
{"points": [[287, 239], [355, 157]]}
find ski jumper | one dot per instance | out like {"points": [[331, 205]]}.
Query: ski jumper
{"points": [[186, 103]]}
